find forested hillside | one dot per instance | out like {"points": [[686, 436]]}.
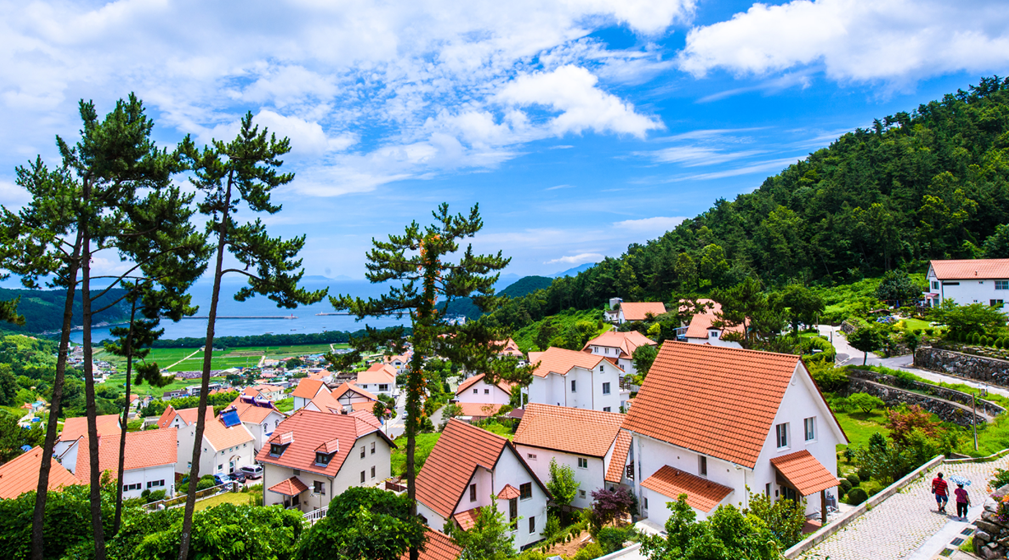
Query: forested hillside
{"points": [[43, 309], [932, 183], [521, 287]]}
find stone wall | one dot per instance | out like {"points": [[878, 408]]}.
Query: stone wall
{"points": [[989, 408], [989, 370], [946, 411], [992, 535]]}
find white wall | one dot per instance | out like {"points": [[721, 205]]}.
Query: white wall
{"points": [[184, 438], [485, 393], [510, 471], [228, 460], [260, 436], [589, 479], [715, 339], [162, 473], [373, 388], [555, 389], [965, 292]]}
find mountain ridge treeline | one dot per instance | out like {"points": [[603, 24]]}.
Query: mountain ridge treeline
{"points": [[932, 183]]}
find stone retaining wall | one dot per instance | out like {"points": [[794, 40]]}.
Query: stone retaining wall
{"points": [[989, 370], [945, 410], [989, 408]]}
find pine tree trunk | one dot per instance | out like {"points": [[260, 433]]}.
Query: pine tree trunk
{"points": [[92, 412], [38, 518], [126, 419]]}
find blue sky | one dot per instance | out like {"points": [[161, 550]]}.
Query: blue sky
{"points": [[579, 127]]}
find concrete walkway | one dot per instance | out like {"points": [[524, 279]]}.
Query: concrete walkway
{"points": [[907, 526]]}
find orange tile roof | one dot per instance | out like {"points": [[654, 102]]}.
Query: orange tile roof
{"points": [[310, 430], [508, 492], [503, 385], [307, 388], [701, 322], [325, 402], [981, 269], [377, 373], [438, 547], [561, 360], [363, 406], [808, 475], [149, 448], [223, 437], [713, 400], [190, 415], [639, 311], [467, 519], [77, 427], [479, 409], [571, 430], [627, 342], [460, 450], [21, 474], [508, 347], [252, 413], [166, 417], [289, 487], [342, 389], [366, 422], [618, 461], [702, 494]]}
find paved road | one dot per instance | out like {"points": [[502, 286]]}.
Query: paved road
{"points": [[903, 526], [397, 425]]}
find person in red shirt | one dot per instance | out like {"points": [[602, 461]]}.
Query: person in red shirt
{"points": [[962, 501], [940, 489]]}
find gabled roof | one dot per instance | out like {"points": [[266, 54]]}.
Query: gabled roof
{"points": [[21, 474], [627, 342], [561, 360], [702, 494], [289, 486], [615, 472], [508, 492], [343, 389], [639, 311], [325, 402], [308, 388], [713, 400], [437, 547], [166, 417], [221, 436], [508, 348], [808, 475], [366, 422], [503, 385], [971, 269], [149, 448], [450, 466], [77, 427], [311, 429], [467, 519], [701, 322], [253, 413], [377, 373], [571, 430]]}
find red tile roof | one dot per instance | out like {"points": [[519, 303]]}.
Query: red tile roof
{"points": [[251, 413], [508, 492], [223, 437], [639, 311], [618, 461], [366, 422], [561, 360], [627, 342], [460, 450], [308, 388], [166, 417], [343, 389], [701, 322], [21, 474], [467, 519], [571, 430], [77, 427], [479, 409], [310, 430], [437, 547], [713, 400], [503, 385], [508, 348], [808, 475], [289, 487], [702, 494], [979, 269], [377, 373], [149, 448]]}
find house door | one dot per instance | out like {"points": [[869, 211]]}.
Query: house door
{"points": [[789, 493]]}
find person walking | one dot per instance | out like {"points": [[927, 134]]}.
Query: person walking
{"points": [[962, 501], [941, 491]]}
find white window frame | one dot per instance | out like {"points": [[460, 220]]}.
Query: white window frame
{"points": [[809, 429], [583, 463], [781, 435]]}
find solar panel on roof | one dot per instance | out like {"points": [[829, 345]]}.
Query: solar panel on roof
{"points": [[230, 418]]}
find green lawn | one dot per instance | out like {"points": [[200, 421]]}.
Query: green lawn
{"points": [[916, 324], [237, 498], [425, 443], [284, 405], [119, 381], [859, 427]]}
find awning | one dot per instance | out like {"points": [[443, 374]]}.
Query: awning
{"points": [[508, 492], [804, 472], [467, 519], [931, 296], [290, 487], [702, 494]]}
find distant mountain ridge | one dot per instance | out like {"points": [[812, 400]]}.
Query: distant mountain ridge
{"points": [[524, 286]]}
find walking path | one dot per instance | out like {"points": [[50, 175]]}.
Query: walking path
{"points": [[195, 352], [907, 526]]}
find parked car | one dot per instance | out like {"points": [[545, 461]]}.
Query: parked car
{"points": [[221, 479], [252, 471], [239, 477]]}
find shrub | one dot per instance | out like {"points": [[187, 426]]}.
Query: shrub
{"points": [[856, 496], [206, 481], [612, 539], [864, 474], [999, 478], [871, 487], [827, 377], [853, 479], [845, 486], [552, 527], [532, 555], [905, 379], [155, 496], [865, 402], [929, 331], [589, 551]]}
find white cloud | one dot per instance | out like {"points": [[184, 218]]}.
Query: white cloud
{"points": [[658, 224], [696, 156], [760, 167], [580, 258], [889, 40], [13, 196]]}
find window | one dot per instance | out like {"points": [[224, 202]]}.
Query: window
{"points": [[513, 509], [318, 487], [472, 492], [372, 448], [950, 283], [996, 303], [602, 368], [646, 503], [702, 465], [383, 387], [486, 391], [606, 388], [276, 450], [362, 477], [607, 409], [297, 472], [362, 452], [767, 489], [476, 391], [220, 467], [373, 472], [526, 491], [581, 493], [583, 463], [574, 386], [809, 425], [630, 472], [781, 434], [323, 458], [531, 456], [1002, 284], [155, 483], [532, 524], [128, 487]]}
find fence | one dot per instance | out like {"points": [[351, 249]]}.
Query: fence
{"points": [[315, 515], [179, 500]]}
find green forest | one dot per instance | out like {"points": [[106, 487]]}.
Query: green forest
{"points": [[43, 309], [929, 184]]}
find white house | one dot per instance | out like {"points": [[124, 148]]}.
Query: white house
{"points": [[378, 379], [470, 468], [589, 441], [477, 390], [576, 379], [314, 456], [307, 390], [968, 281], [619, 346], [702, 330], [259, 417], [77, 428], [352, 398], [621, 311], [227, 444], [148, 463], [710, 422]]}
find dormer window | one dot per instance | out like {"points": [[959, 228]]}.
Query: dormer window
{"points": [[279, 444], [276, 449], [323, 459], [324, 453]]}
